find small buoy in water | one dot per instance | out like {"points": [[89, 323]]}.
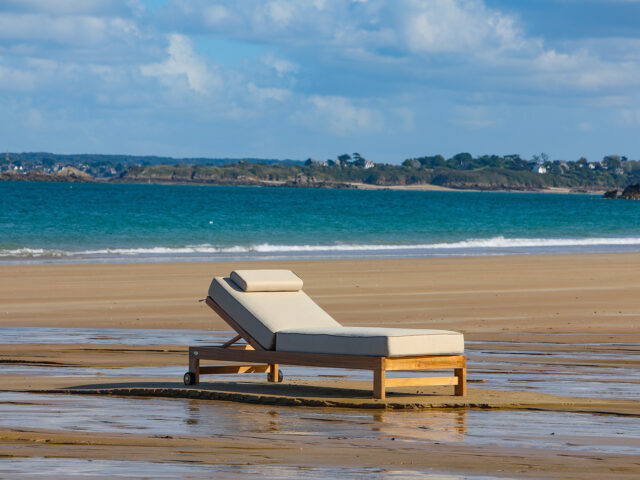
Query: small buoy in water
{"points": [[210, 222]]}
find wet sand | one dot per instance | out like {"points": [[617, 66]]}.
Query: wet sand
{"points": [[588, 305]]}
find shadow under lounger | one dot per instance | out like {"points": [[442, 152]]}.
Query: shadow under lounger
{"points": [[283, 326]]}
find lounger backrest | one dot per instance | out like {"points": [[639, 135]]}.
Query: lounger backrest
{"points": [[263, 313]]}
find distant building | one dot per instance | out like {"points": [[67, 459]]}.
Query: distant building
{"points": [[619, 171], [368, 164], [539, 169], [318, 163]]}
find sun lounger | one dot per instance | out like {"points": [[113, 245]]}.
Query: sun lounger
{"points": [[281, 325]]}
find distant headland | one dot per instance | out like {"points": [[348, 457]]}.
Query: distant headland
{"points": [[460, 172]]}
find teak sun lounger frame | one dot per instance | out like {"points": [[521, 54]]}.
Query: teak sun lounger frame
{"points": [[262, 360]]}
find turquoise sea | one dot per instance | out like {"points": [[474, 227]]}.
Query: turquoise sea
{"points": [[66, 222]]}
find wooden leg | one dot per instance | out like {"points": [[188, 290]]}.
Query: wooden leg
{"points": [[272, 376], [194, 366], [379, 377], [461, 388]]}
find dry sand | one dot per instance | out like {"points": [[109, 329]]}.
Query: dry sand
{"points": [[478, 296], [427, 187], [586, 298]]}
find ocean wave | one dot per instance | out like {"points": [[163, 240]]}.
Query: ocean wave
{"points": [[470, 244]]}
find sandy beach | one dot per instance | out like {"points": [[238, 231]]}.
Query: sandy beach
{"points": [[479, 296], [587, 306]]}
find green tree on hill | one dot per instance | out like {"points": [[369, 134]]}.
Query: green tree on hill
{"points": [[612, 162]]}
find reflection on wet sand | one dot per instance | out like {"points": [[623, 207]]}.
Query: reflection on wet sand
{"points": [[573, 368], [110, 336], [437, 426], [157, 416], [26, 468], [580, 369], [576, 368]]}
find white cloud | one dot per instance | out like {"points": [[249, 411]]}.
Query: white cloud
{"points": [[34, 74], [629, 117], [281, 66], [184, 63], [64, 7], [262, 94], [421, 39], [215, 15], [78, 30], [476, 116], [340, 116], [426, 26], [14, 79], [346, 67], [279, 12], [581, 71], [441, 26]]}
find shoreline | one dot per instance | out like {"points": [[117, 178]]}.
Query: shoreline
{"points": [[275, 253], [324, 185], [438, 188]]}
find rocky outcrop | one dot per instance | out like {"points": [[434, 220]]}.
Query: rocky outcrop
{"points": [[302, 180], [309, 181], [71, 174], [611, 194], [67, 174], [632, 192]]}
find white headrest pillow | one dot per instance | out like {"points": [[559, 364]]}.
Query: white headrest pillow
{"points": [[266, 280]]}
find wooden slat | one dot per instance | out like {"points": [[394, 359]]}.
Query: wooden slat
{"points": [[461, 387], [231, 369], [425, 362], [421, 381], [379, 383], [232, 341], [273, 373], [287, 358]]}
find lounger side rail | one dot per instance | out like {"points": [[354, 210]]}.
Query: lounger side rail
{"points": [[260, 360]]}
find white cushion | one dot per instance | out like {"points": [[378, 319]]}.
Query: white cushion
{"points": [[262, 314], [267, 280], [386, 342]]}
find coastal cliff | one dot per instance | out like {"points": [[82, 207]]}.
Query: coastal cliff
{"points": [[66, 174], [380, 176], [245, 174], [460, 172]]}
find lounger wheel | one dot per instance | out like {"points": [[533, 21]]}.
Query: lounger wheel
{"points": [[280, 376], [189, 378]]}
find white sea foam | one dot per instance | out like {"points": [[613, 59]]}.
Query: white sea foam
{"points": [[471, 244]]}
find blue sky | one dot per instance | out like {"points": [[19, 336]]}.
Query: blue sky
{"points": [[301, 78]]}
